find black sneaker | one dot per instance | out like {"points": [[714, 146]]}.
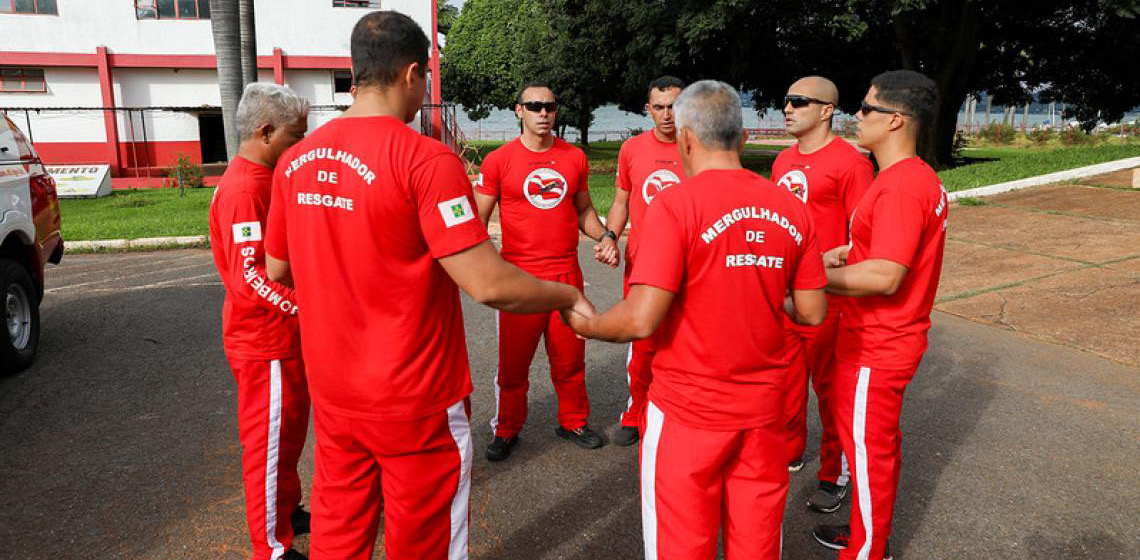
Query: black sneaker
{"points": [[301, 521], [827, 498], [836, 537], [500, 448], [625, 436], [292, 554], [796, 466], [583, 437]]}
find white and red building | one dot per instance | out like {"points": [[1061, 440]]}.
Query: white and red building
{"points": [[133, 83]]}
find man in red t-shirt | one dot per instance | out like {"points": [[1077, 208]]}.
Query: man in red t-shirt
{"points": [[376, 225], [540, 183], [728, 248], [890, 273], [830, 176], [259, 324], [647, 164]]}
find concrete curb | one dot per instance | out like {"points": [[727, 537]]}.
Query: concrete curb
{"points": [[141, 243], [1049, 178]]}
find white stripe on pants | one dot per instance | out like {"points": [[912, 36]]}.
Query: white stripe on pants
{"points": [[272, 454], [461, 431], [862, 479], [654, 420]]}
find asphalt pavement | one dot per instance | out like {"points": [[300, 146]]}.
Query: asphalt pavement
{"points": [[121, 441]]}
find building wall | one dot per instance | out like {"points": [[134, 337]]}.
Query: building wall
{"points": [[155, 137], [299, 27]]}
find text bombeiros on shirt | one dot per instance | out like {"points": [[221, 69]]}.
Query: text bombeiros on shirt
{"points": [[750, 212]]}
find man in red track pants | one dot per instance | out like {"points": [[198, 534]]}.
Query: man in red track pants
{"points": [[890, 271], [539, 182], [830, 176], [376, 226], [728, 248], [259, 323], [647, 164]]}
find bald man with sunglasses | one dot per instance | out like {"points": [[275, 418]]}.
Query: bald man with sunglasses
{"points": [[829, 175], [540, 183]]}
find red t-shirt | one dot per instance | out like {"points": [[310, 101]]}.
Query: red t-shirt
{"points": [[259, 316], [830, 180], [536, 193], [362, 208], [902, 218], [730, 246], [646, 166]]}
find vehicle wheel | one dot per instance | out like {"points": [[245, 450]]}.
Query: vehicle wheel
{"points": [[21, 333]]}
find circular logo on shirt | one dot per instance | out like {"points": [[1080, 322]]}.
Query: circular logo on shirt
{"points": [[656, 182], [545, 188], [796, 183]]}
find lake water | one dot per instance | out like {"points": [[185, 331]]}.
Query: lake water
{"points": [[611, 123]]}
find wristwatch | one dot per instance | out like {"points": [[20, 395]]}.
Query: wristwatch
{"points": [[610, 234]]}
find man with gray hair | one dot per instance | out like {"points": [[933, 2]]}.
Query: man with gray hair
{"points": [[260, 333], [729, 247]]}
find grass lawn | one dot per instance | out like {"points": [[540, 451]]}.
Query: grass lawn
{"points": [[135, 213], [131, 214], [987, 166]]}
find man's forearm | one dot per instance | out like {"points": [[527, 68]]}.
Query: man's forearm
{"points": [[590, 225], [619, 324], [616, 218], [867, 278]]}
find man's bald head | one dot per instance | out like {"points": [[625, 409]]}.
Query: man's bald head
{"points": [[816, 86], [809, 107]]}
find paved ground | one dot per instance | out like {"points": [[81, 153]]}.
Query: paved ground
{"points": [[120, 442], [1061, 263]]}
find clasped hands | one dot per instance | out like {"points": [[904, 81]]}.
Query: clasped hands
{"points": [[607, 253]]}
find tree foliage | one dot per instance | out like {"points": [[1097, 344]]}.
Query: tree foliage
{"points": [[1080, 52]]}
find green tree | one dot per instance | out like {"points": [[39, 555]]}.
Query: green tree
{"points": [[479, 66]]}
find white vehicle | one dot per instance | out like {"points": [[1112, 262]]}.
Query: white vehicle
{"points": [[29, 230]]}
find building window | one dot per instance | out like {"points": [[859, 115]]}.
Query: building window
{"points": [[172, 9], [28, 7], [342, 81], [22, 80], [356, 3]]}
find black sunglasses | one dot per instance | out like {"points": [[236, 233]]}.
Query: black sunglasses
{"points": [[538, 106], [801, 101], [866, 108]]}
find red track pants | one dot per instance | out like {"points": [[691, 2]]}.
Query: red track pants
{"points": [[273, 419], [694, 482], [419, 469], [812, 355], [518, 339], [868, 405], [638, 370]]}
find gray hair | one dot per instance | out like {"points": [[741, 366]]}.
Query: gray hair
{"points": [[711, 109], [268, 104]]}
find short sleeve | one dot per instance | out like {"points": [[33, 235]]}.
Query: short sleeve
{"points": [[664, 266], [276, 229], [445, 206], [623, 180], [898, 220], [490, 175], [809, 271], [583, 173]]}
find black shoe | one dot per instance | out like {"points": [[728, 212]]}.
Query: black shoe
{"points": [[292, 554], [301, 521], [796, 465], [625, 436], [583, 437], [500, 448], [827, 498], [836, 537]]}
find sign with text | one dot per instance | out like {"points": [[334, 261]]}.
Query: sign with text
{"points": [[81, 181]]}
